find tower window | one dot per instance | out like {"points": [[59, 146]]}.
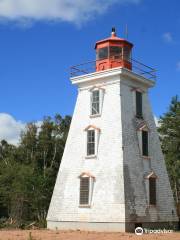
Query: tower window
{"points": [[143, 139], [84, 190], [152, 191], [145, 143], [95, 102], [102, 53], [138, 104], [90, 142]]}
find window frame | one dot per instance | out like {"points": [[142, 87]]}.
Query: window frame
{"points": [[101, 99], [97, 102], [91, 141], [97, 136]]}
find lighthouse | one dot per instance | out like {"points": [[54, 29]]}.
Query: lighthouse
{"points": [[112, 175]]}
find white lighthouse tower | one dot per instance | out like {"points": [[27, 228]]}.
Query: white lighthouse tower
{"points": [[112, 175]]}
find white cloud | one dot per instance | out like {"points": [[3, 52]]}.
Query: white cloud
{"points": [[75, 11], [178, 66], [10, 129], [167, 37]]}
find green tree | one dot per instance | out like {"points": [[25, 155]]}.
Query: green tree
{"points": [[169, 130], [28, 144], [28, 171]]}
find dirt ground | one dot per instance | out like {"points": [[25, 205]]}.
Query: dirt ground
{"points": [[78, 235]]}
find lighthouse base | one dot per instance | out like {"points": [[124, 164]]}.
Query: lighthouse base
{"points": [[111, 226], [87, 226]]}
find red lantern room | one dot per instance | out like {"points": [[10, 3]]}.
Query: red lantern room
{"points": [[113, 52]]}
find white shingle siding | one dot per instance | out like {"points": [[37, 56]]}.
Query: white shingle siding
{"points": [[120, 192]]}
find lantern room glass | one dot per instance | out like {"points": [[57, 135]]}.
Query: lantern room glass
{"points": [[102, 53], [115, 52]]}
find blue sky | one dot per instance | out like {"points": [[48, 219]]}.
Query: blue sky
{"points": [[40, 40]]}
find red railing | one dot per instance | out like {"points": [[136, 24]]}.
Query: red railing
{"points": [[137, 67]]}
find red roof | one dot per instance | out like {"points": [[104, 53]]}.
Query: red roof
{"points": [[113, 38]]}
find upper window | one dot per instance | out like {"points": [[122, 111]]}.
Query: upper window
{"points": [[152, 191], [95, 103], [139, 104], [145, 151], [102, 53], [90, 142]]}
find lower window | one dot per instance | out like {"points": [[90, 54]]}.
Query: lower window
{"points": [[84, 190], [152, 191]]}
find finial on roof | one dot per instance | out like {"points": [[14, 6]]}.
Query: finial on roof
{"points": [[113, 33]]}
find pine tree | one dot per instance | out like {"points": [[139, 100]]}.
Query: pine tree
{"points": [[169, 130]]}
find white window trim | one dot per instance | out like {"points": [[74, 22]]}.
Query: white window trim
{"points": [[97, 136], [91, 187], [101, 99]]}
